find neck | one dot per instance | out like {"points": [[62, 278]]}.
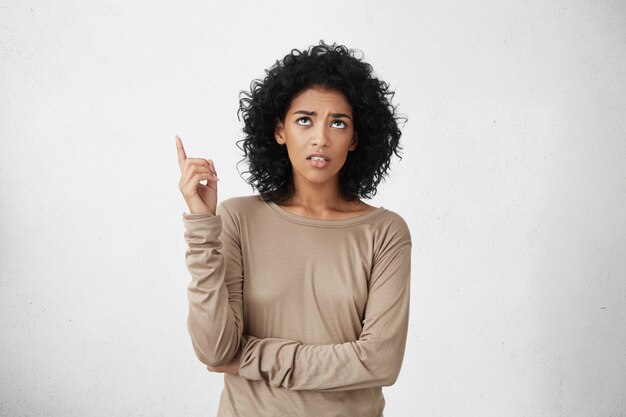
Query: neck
{"points": [[317, 198]]}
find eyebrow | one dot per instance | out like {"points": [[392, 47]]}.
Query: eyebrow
{"points": [[312, 113]]}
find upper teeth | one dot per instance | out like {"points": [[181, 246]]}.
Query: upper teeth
{"points": [[317, 158]]}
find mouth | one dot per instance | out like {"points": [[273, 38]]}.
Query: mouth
{"points": [[317, 157], [318, 160]]}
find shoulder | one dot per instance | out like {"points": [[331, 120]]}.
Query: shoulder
{"points": [[391, 235], [240, 210], [392, 226], [235, 211], [391, 239], [241, 204]]}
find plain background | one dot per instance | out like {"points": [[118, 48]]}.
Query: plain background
{"points": [[513, 183]]}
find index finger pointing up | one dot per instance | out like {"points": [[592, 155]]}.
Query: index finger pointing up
{"points": [[182, 156]]}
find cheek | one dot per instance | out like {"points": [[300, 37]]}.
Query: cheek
{"points": [[297, 138]]}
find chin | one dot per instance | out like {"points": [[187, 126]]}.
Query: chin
{"points": [[318, 178]]}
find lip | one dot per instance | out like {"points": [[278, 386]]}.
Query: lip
{"points": [[321, 155]]}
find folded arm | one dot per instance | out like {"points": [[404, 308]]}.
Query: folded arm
{"points": [[371, 361]]}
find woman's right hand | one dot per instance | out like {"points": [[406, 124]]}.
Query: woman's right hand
{"points": [[200, 198]]}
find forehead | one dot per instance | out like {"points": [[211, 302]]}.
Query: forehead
{"points": [[319, 98]]}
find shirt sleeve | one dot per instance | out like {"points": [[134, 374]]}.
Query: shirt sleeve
{"points": [[213, 258], [373, 360]]}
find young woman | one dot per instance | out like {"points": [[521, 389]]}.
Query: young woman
{"points": [[300, 294]]}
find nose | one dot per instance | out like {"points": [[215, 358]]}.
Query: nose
{"points": [[320, 136]]}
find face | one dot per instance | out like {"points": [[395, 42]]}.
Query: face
{"points": [[318, 132]]}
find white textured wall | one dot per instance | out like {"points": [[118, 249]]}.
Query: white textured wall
{"points": [[513, 184]]}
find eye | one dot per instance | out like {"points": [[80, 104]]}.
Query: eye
{"points": [[304, 121], [340, 124]]}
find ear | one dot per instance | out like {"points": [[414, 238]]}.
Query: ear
{"points": [[279, 132], [354, 143]]}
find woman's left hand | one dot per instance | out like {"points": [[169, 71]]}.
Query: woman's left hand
{"points": [[231, 368]]}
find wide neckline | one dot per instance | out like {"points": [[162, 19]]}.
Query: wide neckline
{"points": [[296, 218]]}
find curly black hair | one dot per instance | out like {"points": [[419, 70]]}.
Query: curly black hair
{"points": [[333, 67]]}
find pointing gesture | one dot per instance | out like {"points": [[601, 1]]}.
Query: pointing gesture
{"points": [[200, 198]]}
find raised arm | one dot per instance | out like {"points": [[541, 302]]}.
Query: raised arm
{"points": [[371, 361], [213, 259]]}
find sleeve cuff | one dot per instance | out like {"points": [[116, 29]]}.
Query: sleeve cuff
{"points": [[197, 216]]}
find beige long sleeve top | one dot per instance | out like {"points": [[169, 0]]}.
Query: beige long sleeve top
{"points": [[317, 310]]}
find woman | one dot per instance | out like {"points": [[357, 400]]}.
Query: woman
{"points": [[300, 295]]}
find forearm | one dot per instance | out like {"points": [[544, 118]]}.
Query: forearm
{"points": [[346, 366], [214, 331]]}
